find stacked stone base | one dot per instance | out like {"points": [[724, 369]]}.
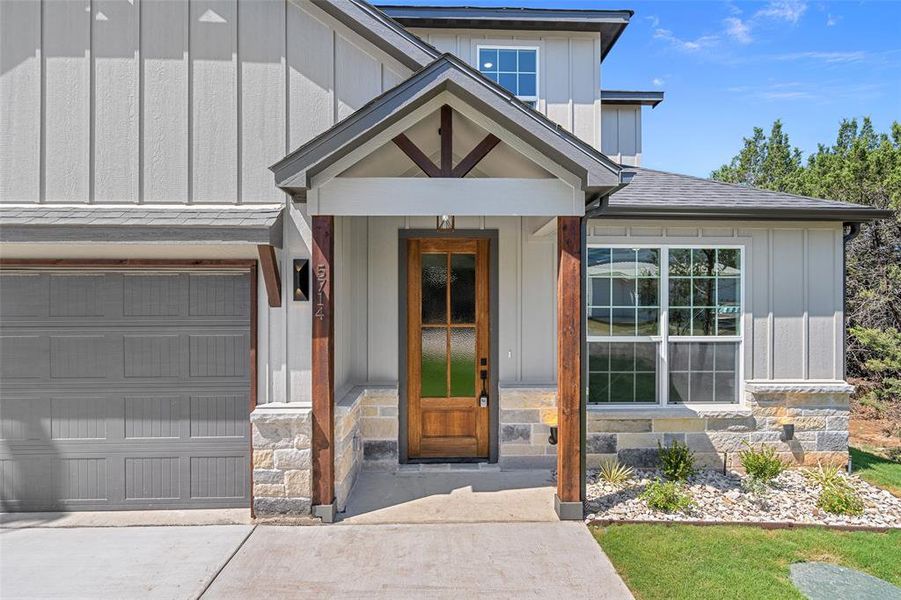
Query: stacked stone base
{"points": [[282, 485], [819, 414], [526, 416]]}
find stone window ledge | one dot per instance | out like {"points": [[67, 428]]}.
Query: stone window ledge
{"points": [[799, 387], [666, 412], [355, 395]]}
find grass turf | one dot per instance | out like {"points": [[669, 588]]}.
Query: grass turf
{"points": [[684, 561], [877, 470]]}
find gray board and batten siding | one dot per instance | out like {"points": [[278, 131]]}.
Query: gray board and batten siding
{"points": [[124, 390]]}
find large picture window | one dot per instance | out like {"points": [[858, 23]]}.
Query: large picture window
{"points": [[664, 324]]}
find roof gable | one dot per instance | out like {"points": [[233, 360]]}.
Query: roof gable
{"points": [[598, 174]]}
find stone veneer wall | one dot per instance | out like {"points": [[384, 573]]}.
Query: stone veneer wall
{"points": [[379, 427], [818, 412], [348, 446], [281, 460], [525, 417]]}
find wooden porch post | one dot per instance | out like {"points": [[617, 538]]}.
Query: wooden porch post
{"points": [[568, 501], [323, 369]]}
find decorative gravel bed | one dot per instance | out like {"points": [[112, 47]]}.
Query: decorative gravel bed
{"points": [[722, 497]]}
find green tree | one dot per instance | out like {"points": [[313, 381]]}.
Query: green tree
{"points": [[768, 162], [864, 167]]}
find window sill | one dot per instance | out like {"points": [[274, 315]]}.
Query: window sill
{"points": [[720, 411]]}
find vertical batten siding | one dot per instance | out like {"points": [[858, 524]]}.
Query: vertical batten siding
{"points": [[793, 323], [20, 98], [165, 101], [621, 134], [115, 34], [214, 140], [569, 86], [67, 100], [171, 101]]}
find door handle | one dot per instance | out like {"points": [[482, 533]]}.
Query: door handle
{"points": [[483, 375]]}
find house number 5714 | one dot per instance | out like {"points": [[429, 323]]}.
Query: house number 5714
{"points": [[321, 282]]}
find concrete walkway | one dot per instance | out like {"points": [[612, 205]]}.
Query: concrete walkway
{"points": [[462, 560], [453, 497]]}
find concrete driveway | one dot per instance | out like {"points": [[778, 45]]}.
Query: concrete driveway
{"points": [[114, 562], [448, 560]]}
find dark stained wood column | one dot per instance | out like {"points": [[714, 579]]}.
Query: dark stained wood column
{"points": [[323, 363], [569, 370]]}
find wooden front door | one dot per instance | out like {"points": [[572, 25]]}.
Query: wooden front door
{"points": [[447, 348]]}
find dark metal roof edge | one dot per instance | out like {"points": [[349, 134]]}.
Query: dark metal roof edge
{"points": [[413, 53], [762, 213], [507, 13], [646, 98], [542, 19]]}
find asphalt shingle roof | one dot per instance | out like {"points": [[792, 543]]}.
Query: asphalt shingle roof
{"points": [[663, 193]]}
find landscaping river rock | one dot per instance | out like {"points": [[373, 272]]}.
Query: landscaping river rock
{"points": [[719, 497]]}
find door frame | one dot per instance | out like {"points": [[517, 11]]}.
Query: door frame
{"points": [[494, 403]]}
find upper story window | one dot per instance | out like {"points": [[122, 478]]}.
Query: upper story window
{"points": [[516, 69]]}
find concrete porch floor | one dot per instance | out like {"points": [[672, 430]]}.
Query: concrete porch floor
{"points": [[451, 497]]}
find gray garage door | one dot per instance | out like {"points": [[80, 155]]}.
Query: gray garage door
{"points": [[124, 390]]}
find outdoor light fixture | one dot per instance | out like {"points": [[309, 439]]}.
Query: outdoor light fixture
{"points": [[301, 279], [444, 223], [552, 439], [788, 432]]}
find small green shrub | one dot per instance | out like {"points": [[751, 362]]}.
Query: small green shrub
{"points": [[676, 461], [666, 496], [614, 472], [825, 475], [840, 499], [761, 465]]}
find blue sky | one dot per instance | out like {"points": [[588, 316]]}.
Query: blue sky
{"points": [[729, 66]]}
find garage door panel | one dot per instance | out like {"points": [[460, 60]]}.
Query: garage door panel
{"points": [[219, 296], [23, 357], [219, 355], [74, 295], [218, 476], [74, 418], [153, 417], [83, 356], [157, 295], [142, 405], [24, 295]]}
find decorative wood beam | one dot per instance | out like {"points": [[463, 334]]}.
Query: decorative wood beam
{"points": [[271, 277], [475, 156], [323, 367], [446, 132], [447, 141], [569, 369], [412, 151]]}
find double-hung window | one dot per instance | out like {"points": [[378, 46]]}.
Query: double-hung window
{"points": [[516, 69], [664, 324]]}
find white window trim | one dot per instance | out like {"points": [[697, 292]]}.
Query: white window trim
{"points": [[537, 50], [663, 339]]}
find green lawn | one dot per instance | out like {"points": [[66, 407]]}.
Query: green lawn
{"points": [[877, 470], [684, 561]]}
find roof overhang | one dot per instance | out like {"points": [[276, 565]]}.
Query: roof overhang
{"points": [[608, 23], [850, 215], [632, 98], [387, 35], [141, 224], [596, 173]]}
